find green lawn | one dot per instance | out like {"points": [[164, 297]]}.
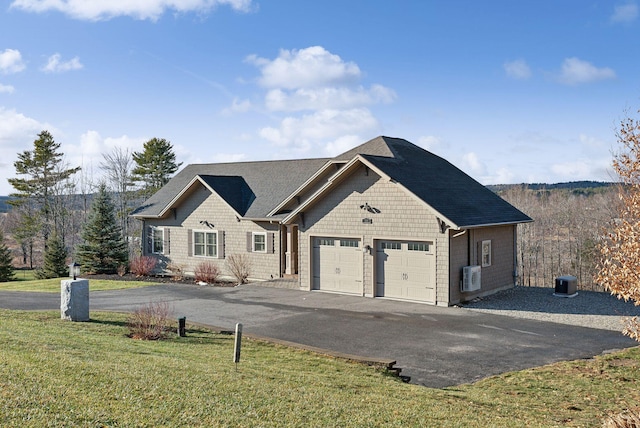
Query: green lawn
{"points": [[25, 281], [60, 373]]}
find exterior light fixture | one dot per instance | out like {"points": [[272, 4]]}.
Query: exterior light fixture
{"points": [[74, 270]]}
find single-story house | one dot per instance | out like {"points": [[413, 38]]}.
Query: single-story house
{"points": [[385, 219]]}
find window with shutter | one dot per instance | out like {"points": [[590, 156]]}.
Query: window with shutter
{"points": [[259, 242], [156, 240], [205, 243]]}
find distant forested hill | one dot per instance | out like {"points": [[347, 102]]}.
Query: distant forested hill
{"points": [[575, 187]]}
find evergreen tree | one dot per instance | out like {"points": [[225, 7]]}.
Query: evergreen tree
{"points": [[55, 260], [44, 171], [103, 250], [154, 165], [6, 268]]}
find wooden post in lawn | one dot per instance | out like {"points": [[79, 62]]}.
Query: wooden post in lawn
{"points": [[237, 345]]}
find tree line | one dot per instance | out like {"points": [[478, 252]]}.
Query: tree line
{"points": [[563, 239], [58, 212]]}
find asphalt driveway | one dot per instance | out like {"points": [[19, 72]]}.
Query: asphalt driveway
{"points": [[436, 347]]}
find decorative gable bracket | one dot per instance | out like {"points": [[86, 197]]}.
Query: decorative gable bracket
{"points": [[443, 226]]}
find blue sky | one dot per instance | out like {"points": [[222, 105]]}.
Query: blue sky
{"points": [[509, 91]]}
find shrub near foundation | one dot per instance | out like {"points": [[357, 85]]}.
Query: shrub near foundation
{"points": [[240, 267], [142, 266], [207, 272]]}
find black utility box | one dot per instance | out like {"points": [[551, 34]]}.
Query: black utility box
{"points": [[566, 285]]}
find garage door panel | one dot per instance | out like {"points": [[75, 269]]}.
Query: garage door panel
{"points": [[405, 270], [337, 265]]}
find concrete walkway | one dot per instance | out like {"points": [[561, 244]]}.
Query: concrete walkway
{"points": [[436, 347]]}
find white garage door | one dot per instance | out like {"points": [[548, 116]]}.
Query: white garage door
{"points": [[406, 270], [337, 265]]}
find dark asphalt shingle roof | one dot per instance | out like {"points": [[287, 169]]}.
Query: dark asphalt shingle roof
{"points": [[443, 186], [254, 189]]}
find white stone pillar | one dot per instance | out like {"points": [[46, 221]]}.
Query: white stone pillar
{"points": [[74, 300]]}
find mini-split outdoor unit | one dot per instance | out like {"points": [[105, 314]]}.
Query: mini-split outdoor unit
{"points": [[471, 278]]}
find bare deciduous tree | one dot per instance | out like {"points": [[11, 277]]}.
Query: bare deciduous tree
{"points": [[118, 166], [561, 240]]}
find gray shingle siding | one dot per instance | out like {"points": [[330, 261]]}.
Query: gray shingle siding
{"points": [[412, 189]]}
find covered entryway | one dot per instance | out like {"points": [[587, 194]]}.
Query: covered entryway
{"points": [[406, 270], [337, 265]]}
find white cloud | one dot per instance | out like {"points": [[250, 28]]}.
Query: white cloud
{"points": [[325, 125], [431, 143], [472, 164], [624, 13], [574, 170], [92, 144], [518, 69], [489, 172], [237, 106], [500, 176], [11, 61], [17, 130], [305, 68], [6, 89], [576, 71], [89, 150], [327, 92], [228, 157], [591, 142], [54, 65], [327, 98], [96, 10], [342, 144]]}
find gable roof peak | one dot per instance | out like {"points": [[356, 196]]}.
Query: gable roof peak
{"points": [[382, 146]]}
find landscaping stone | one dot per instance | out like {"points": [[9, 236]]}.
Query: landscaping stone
{"points": [[74, 300]]}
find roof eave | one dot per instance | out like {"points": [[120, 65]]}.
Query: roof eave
{"points": [[269, 219], [505, 223]]}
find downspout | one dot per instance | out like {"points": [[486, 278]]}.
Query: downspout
{"points": [[515, 254], [469, 248]]}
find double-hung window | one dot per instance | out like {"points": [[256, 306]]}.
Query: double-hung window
{"points": [[259, 242], [157, 240], [205, 244], [486, 253]]}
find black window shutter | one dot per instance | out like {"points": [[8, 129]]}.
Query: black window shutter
{"points": [[149, 240]]}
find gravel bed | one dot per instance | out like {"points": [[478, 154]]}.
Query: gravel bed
{"points": [[587, 309]]}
